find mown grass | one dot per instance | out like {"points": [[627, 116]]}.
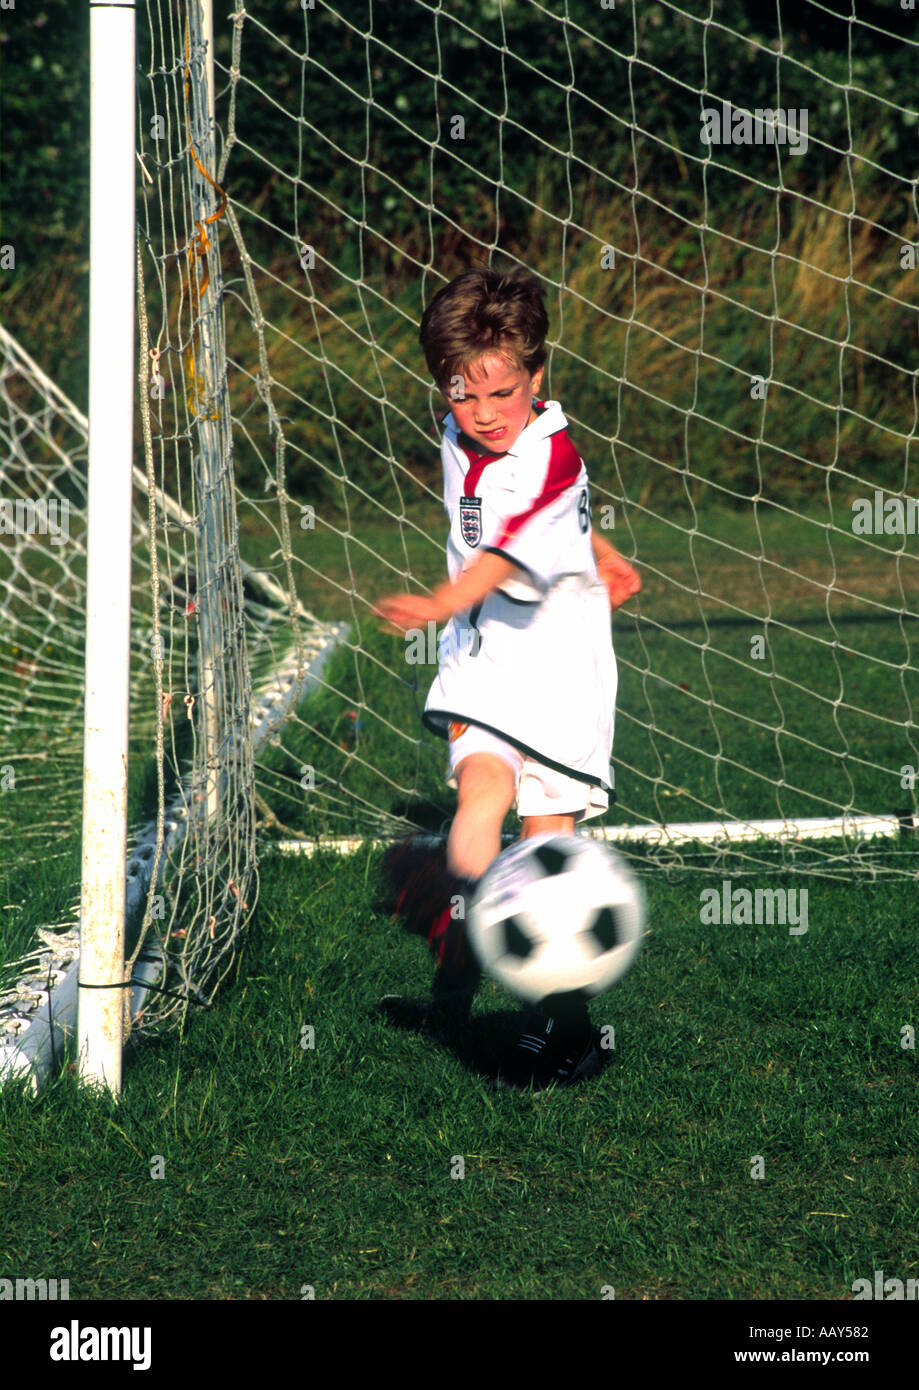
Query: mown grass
{"points": [[330, 1167], [333, 1166]]}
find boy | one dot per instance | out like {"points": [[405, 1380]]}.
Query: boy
{"points": [[526, 683]]}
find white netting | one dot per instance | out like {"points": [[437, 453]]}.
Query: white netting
{"points": [[733, 333]]}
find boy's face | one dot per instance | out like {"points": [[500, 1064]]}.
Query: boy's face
{"points": [[493, 405]]}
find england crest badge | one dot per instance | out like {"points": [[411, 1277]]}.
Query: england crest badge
{"points": [[471, 519]]}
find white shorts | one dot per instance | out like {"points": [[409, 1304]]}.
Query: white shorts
{"points": [[540, 790]]}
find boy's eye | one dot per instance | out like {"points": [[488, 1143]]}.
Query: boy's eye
{"points": [[461, 398]]}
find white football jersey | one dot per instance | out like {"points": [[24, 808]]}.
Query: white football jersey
{"points": [[533, 662]]}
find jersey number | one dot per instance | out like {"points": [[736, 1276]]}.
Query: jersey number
{"points": [[584, 511]]}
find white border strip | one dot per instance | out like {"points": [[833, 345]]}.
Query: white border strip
{"points": [[710, 832]]}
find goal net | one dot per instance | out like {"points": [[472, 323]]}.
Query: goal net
{"points": [[723, 218]]}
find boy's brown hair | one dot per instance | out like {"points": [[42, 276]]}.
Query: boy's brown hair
{"points": [[484, 311]]}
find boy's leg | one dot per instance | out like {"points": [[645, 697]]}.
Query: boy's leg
{"points": [[487, 791], [557, 1041], [437, 891], [538, 825]]}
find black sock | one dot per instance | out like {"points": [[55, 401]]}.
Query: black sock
{"points": [[457, 966], [569, 1009]]}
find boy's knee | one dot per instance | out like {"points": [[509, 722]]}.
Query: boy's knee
{"points": [[486, 780], [487, 791]]}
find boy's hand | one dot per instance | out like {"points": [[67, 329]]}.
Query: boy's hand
{"points": [[402, 612], [621, 581], [406, 611]]}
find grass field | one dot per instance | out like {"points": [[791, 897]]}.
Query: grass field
{"points": [[333, 1165]]}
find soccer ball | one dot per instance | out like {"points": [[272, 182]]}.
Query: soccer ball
{"points": [[556, 915]]}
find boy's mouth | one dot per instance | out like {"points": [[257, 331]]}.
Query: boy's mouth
{"points": [[494, 434]]}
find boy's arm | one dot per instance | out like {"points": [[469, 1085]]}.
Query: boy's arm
{"points": [[406, 611], [616, 573]]}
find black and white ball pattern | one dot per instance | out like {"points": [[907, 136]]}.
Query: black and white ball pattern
{"points": [[557, 915]]}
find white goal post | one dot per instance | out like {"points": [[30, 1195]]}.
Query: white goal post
{"points": [[108, 580]]}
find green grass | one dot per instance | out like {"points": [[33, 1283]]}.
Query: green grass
{"points": [[331, 1166], [708, 724]]}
